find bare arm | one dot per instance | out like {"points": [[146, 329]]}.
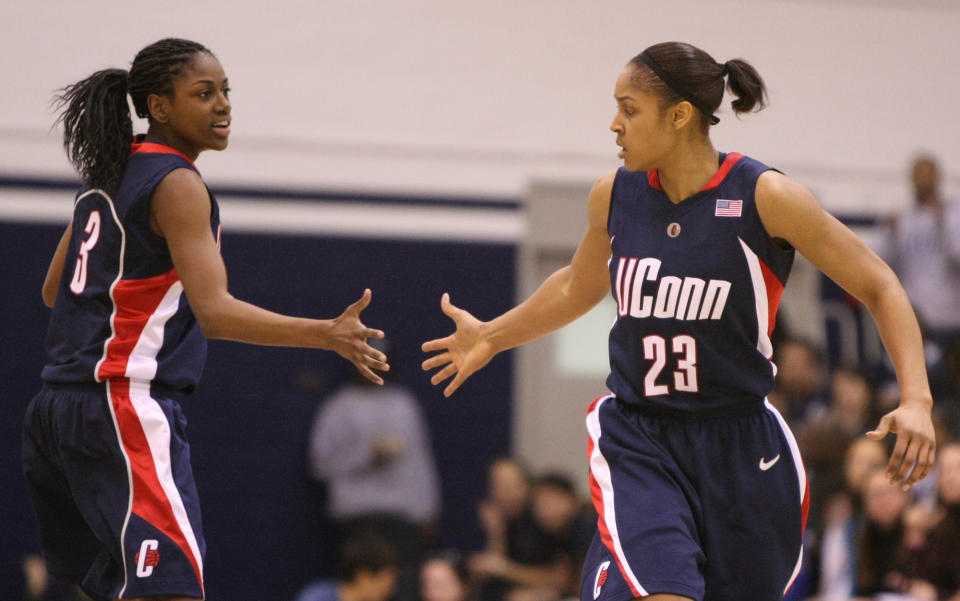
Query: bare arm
{"points": [[790, 212], [180, 208], [51, 283], [567, 294]]}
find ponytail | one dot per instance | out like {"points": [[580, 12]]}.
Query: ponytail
{"points": [[97, 128], [677, 71], [747, 85]]}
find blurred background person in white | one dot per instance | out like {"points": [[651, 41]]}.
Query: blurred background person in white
{"points": [[923, 248], [371, 447]]}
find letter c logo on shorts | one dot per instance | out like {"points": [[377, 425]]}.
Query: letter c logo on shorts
{"points": [[601, 578], [147, 557]]}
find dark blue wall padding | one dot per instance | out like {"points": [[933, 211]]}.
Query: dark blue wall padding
{"points": [[249, 420]]}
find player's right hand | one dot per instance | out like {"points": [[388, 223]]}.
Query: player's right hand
{"points": [[462, 353], [349, 340]]}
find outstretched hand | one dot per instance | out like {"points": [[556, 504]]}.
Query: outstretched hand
{"points": [[914, 454], [463, 352], [350, 340]]}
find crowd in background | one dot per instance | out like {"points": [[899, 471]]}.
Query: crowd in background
{"points": [[865, 538]]}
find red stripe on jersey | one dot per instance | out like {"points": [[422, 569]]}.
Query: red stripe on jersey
{"points": [[135, 301], [153, 148], [596, 496], [805, 510], [653, 177], [149, 500], [722, 172], [774, 292]]}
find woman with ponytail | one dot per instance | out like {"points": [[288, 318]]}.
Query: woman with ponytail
{"points": [[136, 283], [699, 486]]}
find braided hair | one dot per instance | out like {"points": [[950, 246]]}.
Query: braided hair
{"points": [[97, 126]]}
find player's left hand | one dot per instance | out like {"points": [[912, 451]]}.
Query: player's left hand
{"points": [[914, 454], [348, 338]]}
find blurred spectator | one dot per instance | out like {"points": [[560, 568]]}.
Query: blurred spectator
{"points": [[38, 586], [884, 562], [799, 383], [367, 570], [924, 249], [843, 521], [939, 571], [570, 522], [444, 577], [827, 434], [518, 554], [370, 445]]}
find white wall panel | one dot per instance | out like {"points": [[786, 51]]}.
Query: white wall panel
{"points": [[482, 97]]}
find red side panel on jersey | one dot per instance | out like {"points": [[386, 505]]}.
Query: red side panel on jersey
{"points": [[774, 293], [136, 301]]}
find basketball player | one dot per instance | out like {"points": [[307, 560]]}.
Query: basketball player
{"points": [[136, 282], [699, 485]]}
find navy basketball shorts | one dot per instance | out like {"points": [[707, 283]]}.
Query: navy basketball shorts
{"points": [[712, 509], [108, 469]]}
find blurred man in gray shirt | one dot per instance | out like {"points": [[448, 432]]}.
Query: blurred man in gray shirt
{"points": [[924, 249], [370, 445]]}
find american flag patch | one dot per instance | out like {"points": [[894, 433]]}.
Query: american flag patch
{"points": [[728, 208]]}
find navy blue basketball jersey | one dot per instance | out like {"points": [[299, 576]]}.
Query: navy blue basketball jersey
{"points": [[120, 310], [697, 286]]}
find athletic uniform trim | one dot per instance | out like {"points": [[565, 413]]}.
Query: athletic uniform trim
{"points": [[804, 486], [142, 308], [653, 177], [766, 306], [113, 286], [601, 491], [153, 148], [144, 436]]}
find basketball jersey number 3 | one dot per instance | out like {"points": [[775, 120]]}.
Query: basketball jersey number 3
{"points": [[79, 281]]}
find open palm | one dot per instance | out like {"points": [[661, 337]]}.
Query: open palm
{"points": [[349, 340], [461, 353]]}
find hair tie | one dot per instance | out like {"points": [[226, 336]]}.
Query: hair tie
{"points": [[676, 87], [725, 69]]}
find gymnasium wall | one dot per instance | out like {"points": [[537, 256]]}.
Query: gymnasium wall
{"points": [[479, 98]]}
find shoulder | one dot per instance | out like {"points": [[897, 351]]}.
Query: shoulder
{"points": [[775, 188], [181, 180], [182, 190], [603, 186], [181, 202], [788, 210], [598, 203]]}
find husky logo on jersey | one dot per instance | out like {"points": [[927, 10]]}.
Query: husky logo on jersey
{"points": [[147, 557], [601, 579], [686, 298]]}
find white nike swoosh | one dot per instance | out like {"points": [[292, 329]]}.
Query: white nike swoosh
{"points": [[765, 465]]}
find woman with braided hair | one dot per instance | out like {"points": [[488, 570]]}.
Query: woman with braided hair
{"points": [[136, 283], [699, 486]]}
